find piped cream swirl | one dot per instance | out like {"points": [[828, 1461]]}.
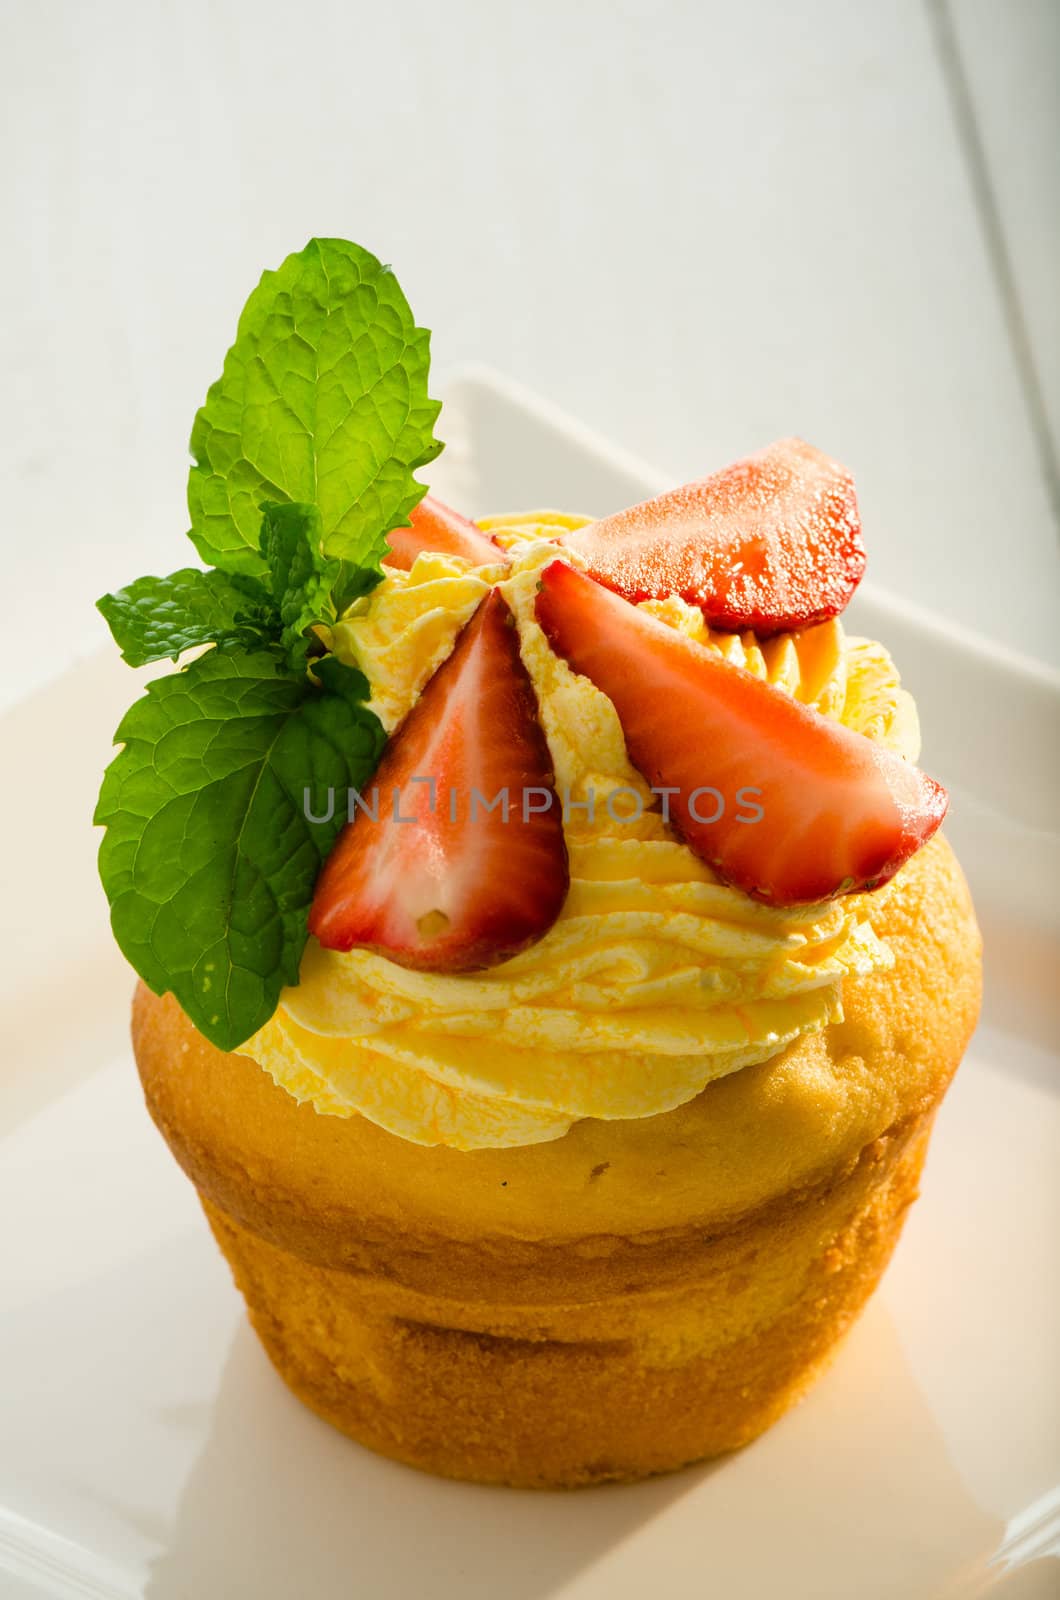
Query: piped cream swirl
{"points": [[655, 979]]}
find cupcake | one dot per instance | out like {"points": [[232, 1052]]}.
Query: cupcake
{"points": [[551, 965]]}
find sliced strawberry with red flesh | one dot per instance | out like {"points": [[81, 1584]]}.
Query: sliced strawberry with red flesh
{"points": [[438, 528], [838, 812], [771, 543], [458, 887]]}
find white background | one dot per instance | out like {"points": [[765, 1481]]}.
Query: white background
{"points": [[696, 226]]}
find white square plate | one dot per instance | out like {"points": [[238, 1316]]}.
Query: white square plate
{"points": [[146, 1447]]}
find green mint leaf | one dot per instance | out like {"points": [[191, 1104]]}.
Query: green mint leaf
{"points": [[340, 679], [158, 617], [353, 582], [209, 859], [301, 579], [323, 401]]}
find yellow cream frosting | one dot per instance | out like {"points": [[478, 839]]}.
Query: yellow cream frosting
{"points": [[655, 979]]}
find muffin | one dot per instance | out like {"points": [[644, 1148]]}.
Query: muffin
{"points": [[580, 1128]]}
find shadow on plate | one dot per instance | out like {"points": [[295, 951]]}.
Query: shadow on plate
{"points": [[853, 1494]]}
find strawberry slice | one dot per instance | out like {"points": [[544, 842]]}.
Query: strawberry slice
{"points": [[781, 801], [771, 543], [437, 527], [459, 886]]}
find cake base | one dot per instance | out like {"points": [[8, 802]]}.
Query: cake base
{"points": [[565, 1395], [631, 1297]]}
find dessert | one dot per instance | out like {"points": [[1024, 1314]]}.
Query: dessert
{"points": [[551, 966]]}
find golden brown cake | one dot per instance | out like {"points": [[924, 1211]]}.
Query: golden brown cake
{"points": [[629, 1297]]}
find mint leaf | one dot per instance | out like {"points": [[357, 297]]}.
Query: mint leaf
{"points": [[323, 401], [158, 617], [302, 581], [341, 679], [209, 860]]}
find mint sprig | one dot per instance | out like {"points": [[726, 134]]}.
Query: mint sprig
{"points": [[304, 455]]}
